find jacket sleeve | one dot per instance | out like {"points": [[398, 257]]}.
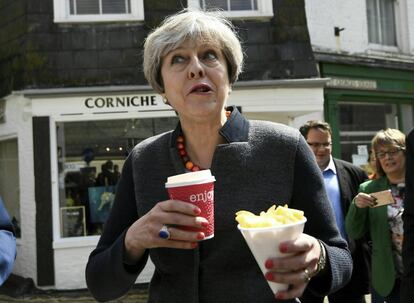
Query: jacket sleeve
{"points": [[310, 196], [7, 244], [356, 220], [107, 275]]}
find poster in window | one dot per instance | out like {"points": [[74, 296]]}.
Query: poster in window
{"points": [[73, 221], [101, 199]]}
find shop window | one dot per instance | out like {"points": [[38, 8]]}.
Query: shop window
{"points": [[381, 22], [98, 10], [236, 8], [90, 157], [407, 117], [358, 123], [9, 180]]}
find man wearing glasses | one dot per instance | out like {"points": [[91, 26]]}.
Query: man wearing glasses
{"points": [[342, 180]]}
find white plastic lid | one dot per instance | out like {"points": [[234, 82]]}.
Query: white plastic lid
{"points": [[197, 177]]}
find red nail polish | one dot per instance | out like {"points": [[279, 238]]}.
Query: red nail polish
{"points": [[279, 296], [269, 264], [269, 276], [194, 245], [200, 236], [283, 248], [204, 224], [197, 211]]}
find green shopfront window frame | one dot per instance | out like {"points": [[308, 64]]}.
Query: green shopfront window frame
{"points": [[363, 101], [355, 118]]}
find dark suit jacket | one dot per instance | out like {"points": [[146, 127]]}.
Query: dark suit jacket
{"points": [[407, 285], [350, 177]]}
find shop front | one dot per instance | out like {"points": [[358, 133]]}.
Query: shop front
{"points": [[71, 145], [361, 100]]}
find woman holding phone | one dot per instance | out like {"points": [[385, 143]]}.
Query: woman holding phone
{"points": [[369, 213]]}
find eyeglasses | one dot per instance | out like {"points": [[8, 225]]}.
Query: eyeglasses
{"points": [[390, 153], [319, 145]]}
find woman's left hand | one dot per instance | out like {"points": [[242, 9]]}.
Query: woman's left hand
{"points": [[296, 269]]}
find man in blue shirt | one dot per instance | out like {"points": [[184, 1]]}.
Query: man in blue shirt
{"points": [[7, 244], [342, 180]]}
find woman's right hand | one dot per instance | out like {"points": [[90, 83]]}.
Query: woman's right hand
{"points": [[363, 200], [144, 233]]}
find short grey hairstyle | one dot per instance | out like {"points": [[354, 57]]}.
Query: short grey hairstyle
{"points": [[199, 26]]}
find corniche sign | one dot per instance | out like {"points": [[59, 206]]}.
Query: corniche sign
{"points": [[98, 104], [121, 102]]}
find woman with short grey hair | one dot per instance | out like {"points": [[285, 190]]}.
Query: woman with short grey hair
{"points": [[203, 27]]}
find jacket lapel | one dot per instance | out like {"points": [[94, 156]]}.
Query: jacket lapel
{"points": [[342, 180]]}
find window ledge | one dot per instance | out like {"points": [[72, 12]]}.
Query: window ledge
{"points": [[389, 54], [248, 15], [383, 48], [264, 11], [62, 15], [88, 241], [97, 19]]}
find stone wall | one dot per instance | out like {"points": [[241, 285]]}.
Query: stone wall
{"points": [[35, 52]]}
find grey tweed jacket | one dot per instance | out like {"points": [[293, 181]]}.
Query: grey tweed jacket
{"points": [[261, 164]]}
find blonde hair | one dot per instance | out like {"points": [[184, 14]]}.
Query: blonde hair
{"points": [[198, 26]]}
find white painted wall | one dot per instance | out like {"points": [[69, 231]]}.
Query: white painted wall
{"points": [[70, 263], [324, 15], [287, 105], [19, 125], [288, 101]]}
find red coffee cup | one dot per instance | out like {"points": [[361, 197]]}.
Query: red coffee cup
{"points": [[196, 188]]}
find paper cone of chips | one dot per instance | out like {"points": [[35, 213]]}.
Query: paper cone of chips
{"points": [[264, 233]]}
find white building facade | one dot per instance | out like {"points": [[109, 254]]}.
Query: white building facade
{"points": [[366, 50]]}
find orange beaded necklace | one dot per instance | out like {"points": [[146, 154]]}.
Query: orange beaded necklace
{"points": [[183, 153]]}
